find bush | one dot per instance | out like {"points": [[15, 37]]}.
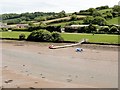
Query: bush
{"points": [[100, 21], [113, 29], [81, 30], [3, 29], [88, 20], [90, 29], [70, 29], [44, 36], [19, 29], [22, 36], [53, 28], [57, 37], [73, 17], [40, 35], [104, 30]]}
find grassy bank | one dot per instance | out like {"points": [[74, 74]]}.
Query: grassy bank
{"points": [[13, 34], [115, 20], [101, 38]]}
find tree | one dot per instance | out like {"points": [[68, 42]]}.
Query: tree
{"points": [[102, 7], [40, 18], [113, 29], [100, 21], [91, 10], [42, 24], [30, 24], [45, 36], [88, 20], [57, 37], [62, 14], [119, 29], [40, 35], [109, 15], [96, 13], [104, 30], [22, 36], [81, 30], [97, 20], [90, 29], [73, 17], [115, 14], [116, 8]]}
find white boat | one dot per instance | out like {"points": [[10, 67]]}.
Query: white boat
{"points": [[64, 46]]}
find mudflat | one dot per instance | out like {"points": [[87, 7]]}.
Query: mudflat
{"points": [[34, 65]]}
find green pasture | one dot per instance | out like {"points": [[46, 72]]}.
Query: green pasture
{"points": [[13, 34], [115, 20], [102, 38], [99, 38], [62, 24], [104, 10]]}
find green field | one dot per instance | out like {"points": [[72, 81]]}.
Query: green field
{"points": [[62, 24], [104, 10], [14, 34], [115, 20], [102, 38]]}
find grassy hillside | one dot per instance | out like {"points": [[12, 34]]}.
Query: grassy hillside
{"points": [[115, 20], [62, 24], [65, 18], [104, 10], [59, 22]]}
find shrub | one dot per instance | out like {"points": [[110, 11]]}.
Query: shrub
{"points": [[99, 20], [70, 29], [73, 22], [19, 29], [90, 29], [113, 29], [73, 17], [53, 28], [40, 35], [22, 36], [3, 29], [104, 30], [57, 37], [81, 30], [88, 20]]}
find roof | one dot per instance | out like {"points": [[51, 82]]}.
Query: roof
{"points": [[79, 25], [22, 24]]}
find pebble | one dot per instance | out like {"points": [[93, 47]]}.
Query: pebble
{"points": [[36, 82], [43, 77], [31, 87], [69, 80], [8, 81]]}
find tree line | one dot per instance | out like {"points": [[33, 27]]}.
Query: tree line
{"points": [[14, 18], [27, 17], [95, 29]]}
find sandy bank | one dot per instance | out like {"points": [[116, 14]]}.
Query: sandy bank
{"points": [[38, 66]]}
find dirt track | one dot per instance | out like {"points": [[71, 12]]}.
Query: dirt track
{"points": [[37, 66]]}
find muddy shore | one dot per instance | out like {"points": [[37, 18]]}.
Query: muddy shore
{"points": [[34, 65]]}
